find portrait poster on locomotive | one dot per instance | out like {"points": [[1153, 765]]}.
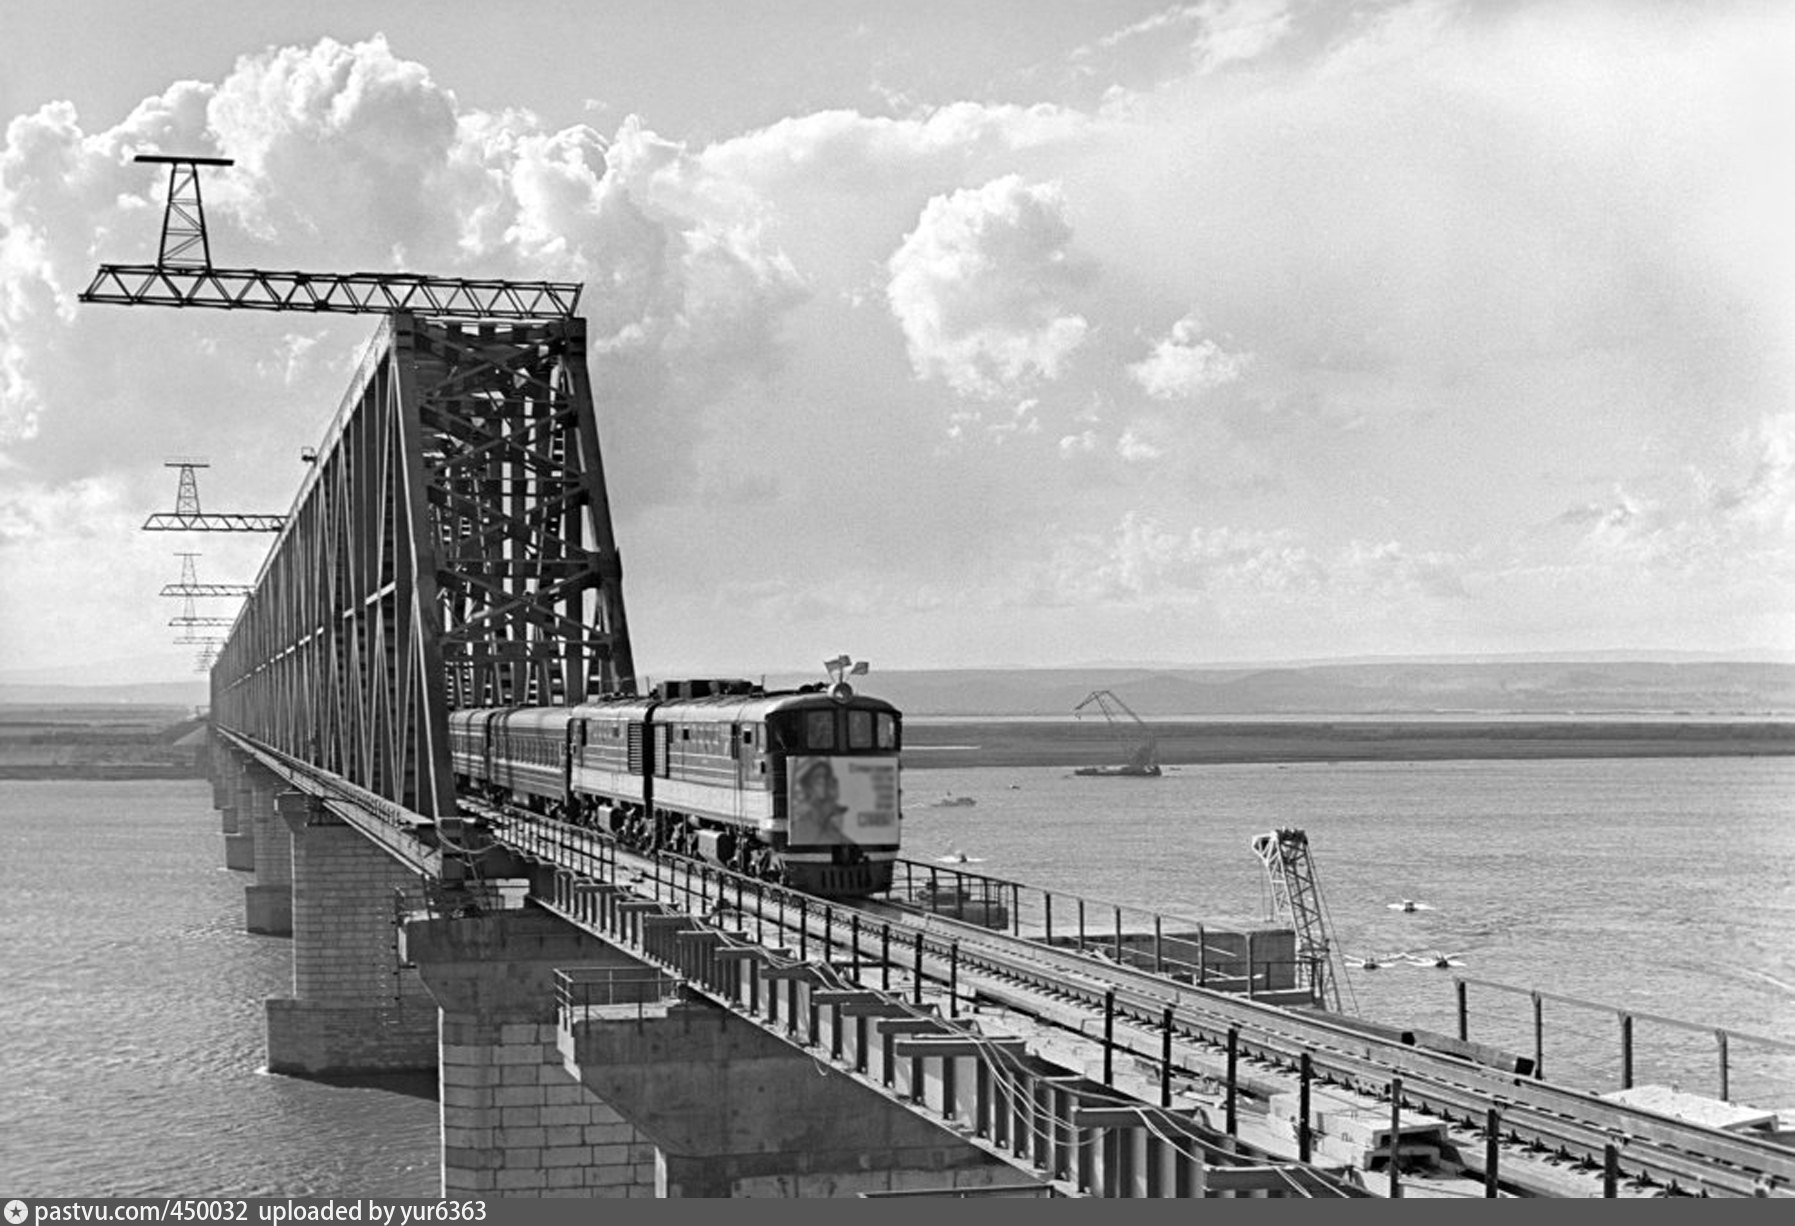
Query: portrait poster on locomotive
{"points": [[842, 800]]}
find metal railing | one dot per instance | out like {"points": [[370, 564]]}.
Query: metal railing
{"points": [[581, 992], [805, 968], [1615, 1058], [1256, 963]]}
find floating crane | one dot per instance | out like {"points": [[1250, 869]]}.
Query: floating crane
{"points": [[1285, 854], [1143, 758]]}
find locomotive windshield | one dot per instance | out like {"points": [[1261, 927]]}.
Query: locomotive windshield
{"points": [[836, 731]]}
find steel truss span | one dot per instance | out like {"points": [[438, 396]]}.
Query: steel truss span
{"points": [[452, 547], [355, 293]]}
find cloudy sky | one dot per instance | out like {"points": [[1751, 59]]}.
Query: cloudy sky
{"points": [[1023, 332]]}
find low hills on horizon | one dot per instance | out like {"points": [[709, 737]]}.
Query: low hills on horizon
{"points": [[1597, 686], [1594, 688]]}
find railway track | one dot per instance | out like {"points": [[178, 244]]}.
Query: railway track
{"points": [[1047, 982]]}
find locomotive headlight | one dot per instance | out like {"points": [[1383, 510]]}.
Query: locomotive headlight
{"points": [[841, 691]]}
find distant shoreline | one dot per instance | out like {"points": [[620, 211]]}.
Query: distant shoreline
{"points": [[1000, 742]]}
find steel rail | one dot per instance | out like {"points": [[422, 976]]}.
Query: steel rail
{"points": [[658, 901], [1574, 1122]]}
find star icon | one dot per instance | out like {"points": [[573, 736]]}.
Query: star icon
{"points": [[16, 1212]]}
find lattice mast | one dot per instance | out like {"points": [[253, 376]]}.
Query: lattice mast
{"points": [[187, 516], [190, 586], [1285, 854]]}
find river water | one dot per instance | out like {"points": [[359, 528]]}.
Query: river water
{"points": [[131, 1005]]}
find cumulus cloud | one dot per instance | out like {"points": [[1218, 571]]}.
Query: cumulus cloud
{"points": [[1184, 364], [980, 286], [350, 157], [1492, 242], [1737, 516], [1389, 568], [1136, 449], [1142, 560]]}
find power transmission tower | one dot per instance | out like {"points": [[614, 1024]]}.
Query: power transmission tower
{"points": [[187, 517], [190, 586], [184, 275]]}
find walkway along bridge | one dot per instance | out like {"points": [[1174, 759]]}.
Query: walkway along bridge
{"points": [[607, 1024]]}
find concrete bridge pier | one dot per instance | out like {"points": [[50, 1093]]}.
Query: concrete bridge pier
{"points": [[514, 1121], [354, 1008], [222, 770], [227, 780], [268, 904], [239, 818]]}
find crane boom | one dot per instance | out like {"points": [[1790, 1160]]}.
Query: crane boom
{"points": [[1143, 758], [1285, 854]]}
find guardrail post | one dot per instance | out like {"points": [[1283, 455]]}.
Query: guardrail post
{"points": [[1202, 957], [1015, 909], [1464, 1009], [828, 931], [1252, 979], [803, 930], [1047, 902], [1395, 1138], [1118, 936], [885, 958], [760, 912], [1626, 1051], [854, 945], [953, 979], [1109, 1037], [1610, 1171], [916, 986], [1081, 924], [1233, 1079], [1492, 1152], [1159, 960], [1725, 1094], [1305, 1074], [1539, 1037], [1165, 1060]]}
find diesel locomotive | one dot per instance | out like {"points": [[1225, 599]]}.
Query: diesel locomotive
{"points": [[796, 786]]}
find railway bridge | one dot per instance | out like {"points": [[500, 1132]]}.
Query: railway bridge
{"points": [[608, 1024]]}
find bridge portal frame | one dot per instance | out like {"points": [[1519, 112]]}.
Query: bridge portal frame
{"points": [[451, 547]]}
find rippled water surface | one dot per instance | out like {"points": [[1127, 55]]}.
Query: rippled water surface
{"points": [[131, 999], [1659, 885], [131, 1024]]}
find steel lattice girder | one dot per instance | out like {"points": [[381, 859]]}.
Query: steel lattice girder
{"points": [[451, 547], [212, 522], [206, 589], [356, 293]]}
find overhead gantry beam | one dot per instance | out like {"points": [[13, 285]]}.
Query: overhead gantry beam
{"points": [[451, 547], [354, 293]]}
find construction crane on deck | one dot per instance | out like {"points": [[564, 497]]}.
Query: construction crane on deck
{"points": [[1143, 758], [1297, 898]]}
